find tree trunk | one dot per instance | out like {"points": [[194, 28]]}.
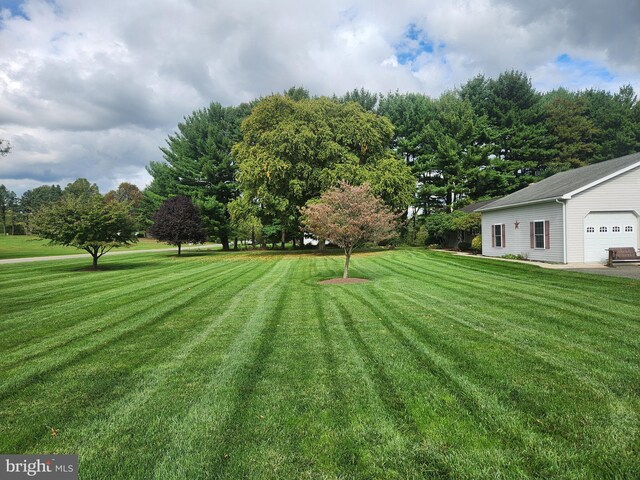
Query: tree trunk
{"points": [[321, 244], [345, 274], [235, 243], [283, 238], [253, 237], [179, 248], [95, 260], [224, 239]]}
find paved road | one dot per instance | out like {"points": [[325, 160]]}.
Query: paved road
{"points": [[113, 252]]}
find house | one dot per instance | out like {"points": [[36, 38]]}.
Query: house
{"points": [[571, 217]]}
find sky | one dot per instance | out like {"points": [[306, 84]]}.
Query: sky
{"points": [[92, 88]]}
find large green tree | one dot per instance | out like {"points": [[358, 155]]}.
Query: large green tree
{"points": [[293, 151], [198, 164], [572, 131], [454, 157], [87, 222], [616, 118]]}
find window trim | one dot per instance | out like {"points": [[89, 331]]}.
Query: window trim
{"points": [[497, 235], [536, 235]]}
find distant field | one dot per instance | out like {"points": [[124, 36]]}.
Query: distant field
{"points": [[240, 365], [23, 246]]}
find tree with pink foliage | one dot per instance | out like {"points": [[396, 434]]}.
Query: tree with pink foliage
{"points": [[349, 216]]}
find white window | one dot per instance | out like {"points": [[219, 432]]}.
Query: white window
{"points": [[615, 229], [538, 233], [590, 229], [628, 228], [603, 229], [497, 235]]}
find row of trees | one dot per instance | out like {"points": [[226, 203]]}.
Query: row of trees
{"points": [[17, 213], [251, 168]]}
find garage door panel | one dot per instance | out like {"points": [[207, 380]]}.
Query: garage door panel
{"points": [[603, 230]]}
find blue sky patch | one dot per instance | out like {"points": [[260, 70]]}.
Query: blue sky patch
{"points": [[414, 43], [584, 67], [15, 7]]}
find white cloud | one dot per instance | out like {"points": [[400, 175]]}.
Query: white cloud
{"points": [[93, 88]]}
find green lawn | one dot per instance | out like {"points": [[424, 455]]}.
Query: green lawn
{"points": [[23, 246], [242, 366]]}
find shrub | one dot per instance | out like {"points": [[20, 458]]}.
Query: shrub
{"points": [[464, 246], [476, 244], [511, 256], [421, 237], [434, 246]]}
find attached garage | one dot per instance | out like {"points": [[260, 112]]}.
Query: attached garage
{"points": [[603, 230], [571, 217]]}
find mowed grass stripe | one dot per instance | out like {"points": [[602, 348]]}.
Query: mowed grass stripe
{"points": [[579, 289], [170, 389], [423, 457], [67, 326], [99, 286], [129, 355], [596, 397], [544, 291], [599, 374], [525, 326], [491, 421], [47, 319], [77, 284], [204, 432], [537, 299], [114, 326], [259, 372]]}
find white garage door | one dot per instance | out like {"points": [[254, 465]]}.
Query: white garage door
{"points": [[608, 229]]}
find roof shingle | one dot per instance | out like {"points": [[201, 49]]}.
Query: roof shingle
{"points": [[564, 183]]}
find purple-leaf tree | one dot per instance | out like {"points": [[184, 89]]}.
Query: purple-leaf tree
{"points": [[177, 221], [349, 216]]}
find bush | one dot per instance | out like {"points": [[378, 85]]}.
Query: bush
{"points": [[464, 246], [434, 246], [421, 237], [519, 256], [476, 244]]}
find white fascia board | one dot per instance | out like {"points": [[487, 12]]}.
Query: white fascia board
{"points": [[567, 196]]}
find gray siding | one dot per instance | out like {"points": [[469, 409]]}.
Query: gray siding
{"points": [[621, 193], [518, 240]]}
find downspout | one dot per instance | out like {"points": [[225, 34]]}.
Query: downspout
{"points": [[564, 229]]}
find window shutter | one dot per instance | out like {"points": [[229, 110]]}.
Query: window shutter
{"points": [[547, 244], [531, 237], [504, 236], [493, 236]]}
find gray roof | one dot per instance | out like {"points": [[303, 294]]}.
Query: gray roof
{"points": [[564, 184], [472, 207]]}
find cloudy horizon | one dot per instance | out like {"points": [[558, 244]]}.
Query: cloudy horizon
{"points": [[92, 89]]}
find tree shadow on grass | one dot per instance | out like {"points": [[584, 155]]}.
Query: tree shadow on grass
{"points": [[106, 267]]}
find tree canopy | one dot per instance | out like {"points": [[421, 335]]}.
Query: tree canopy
{"points": [[293, 151], [349, 216], [198, 164], [87, 222], [177, 221]]}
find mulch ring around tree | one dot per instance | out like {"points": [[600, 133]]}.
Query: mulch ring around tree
{"points": [[341, 281]]}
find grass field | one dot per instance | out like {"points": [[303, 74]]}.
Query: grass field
{"points": [[242, 366], [24, 246]]}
